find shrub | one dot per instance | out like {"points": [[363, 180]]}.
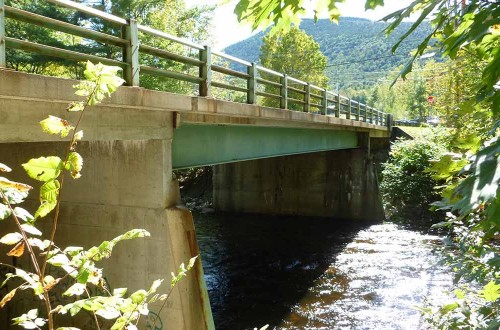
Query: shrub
{"points": [[407, 188]]}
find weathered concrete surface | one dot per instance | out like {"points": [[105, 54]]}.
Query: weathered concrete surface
{"points": [[124, 185], [334, 184]]}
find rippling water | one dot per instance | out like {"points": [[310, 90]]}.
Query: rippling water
{"points": [[303, 273]]}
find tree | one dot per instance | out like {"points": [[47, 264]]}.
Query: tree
{"points": [[296, 54], [170, 16], [35, 63]]}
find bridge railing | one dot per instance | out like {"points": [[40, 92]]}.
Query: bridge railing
{"points": [[145, 53]]}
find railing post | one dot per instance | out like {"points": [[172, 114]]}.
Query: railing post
{"points": [[3, 51], [389, 121], [131, 53], [252, 84], [348, 115], [365, 114], [324, 104], [206, 71], [284, 92], [337, 106], [358, 111], [307, 98]]}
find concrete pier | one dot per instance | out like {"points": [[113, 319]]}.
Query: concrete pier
{"points": [[334, 184]]}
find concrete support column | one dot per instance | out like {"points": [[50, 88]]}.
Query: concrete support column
{"points": [[335, 184]]}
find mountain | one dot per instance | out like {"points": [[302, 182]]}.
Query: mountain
{"points": [[358, 51]]}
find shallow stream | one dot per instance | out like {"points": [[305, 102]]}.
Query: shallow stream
{"points": [[306, 273]]}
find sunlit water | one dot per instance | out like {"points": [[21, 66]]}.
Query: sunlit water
{"points": [[303, 273]]}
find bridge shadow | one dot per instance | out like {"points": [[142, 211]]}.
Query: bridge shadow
{"points": [[257, 267]]}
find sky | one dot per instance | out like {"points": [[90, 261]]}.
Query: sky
{"points": [[228, 31]]}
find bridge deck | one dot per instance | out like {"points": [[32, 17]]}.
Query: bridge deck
{"points": [[208, 131]]}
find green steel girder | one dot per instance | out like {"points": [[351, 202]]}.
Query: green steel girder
{"points": [[197, 145]]}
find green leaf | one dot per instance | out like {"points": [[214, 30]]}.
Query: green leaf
{"points": [[138, 296], [49, 191], [448, 308], [59, 260], [108, 312], [32, 314], [31, 229], [447, 166], [42, 245], [56, 126], [74, 164], [191, 262], [75, 106], [490, 292], [23, 214], [72, 250], [134, 233], [460, 294], [44, 209], [4, 211], [11, 238], [156, 284], [119, 292], [481, 186], [76, 289], [78, 135], [44, 168], [84, 272], [371, 4]]}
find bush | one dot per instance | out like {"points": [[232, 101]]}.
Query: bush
{"points": [[407, 188]]}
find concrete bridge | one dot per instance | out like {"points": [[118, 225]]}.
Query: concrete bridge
{"points": [[315, 162]]}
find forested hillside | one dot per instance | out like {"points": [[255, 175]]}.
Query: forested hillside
{"points": [[358, 52]]}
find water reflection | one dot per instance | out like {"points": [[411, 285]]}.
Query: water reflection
{"points": [[303, 273]]}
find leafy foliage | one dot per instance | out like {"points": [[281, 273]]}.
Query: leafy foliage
{"points": [[280, 52], [407, 188]]}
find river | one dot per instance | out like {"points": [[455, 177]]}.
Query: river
{"points": [[307, 273]]}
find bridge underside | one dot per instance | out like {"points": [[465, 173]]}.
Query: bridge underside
{"points": [[202, 144]]}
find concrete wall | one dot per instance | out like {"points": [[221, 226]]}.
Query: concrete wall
{"points": [[333, 184], [124, 185]]}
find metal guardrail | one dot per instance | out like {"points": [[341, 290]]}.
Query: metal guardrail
{"points": [[260, 81]]}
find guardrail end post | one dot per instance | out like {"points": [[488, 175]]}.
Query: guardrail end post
{"points": [[206, 71], [252, 84], [307, 98], [3, 50], [131, 53], [284, 92], [389, 121]]}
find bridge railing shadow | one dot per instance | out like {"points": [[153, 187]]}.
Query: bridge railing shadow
{"points": [[154, 59]]}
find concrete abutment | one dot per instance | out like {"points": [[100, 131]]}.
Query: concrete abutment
{"points": [[335, 184], [124, 185]]}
